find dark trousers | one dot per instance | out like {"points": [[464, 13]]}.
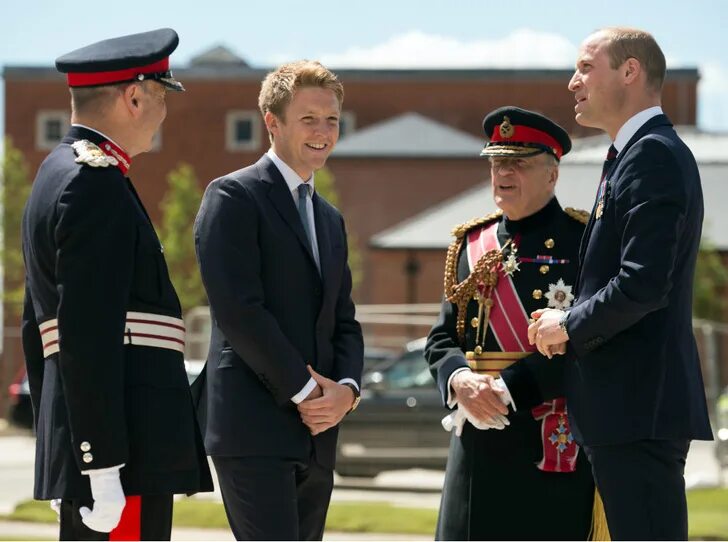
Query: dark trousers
{"points": [[272, 498], [145, 517], [643, 488]]}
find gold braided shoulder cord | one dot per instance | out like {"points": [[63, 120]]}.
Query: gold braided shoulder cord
{"points": [[485, 273], [578, 214]]}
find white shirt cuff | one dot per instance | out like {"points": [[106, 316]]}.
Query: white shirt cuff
{"points": [[451, 399], [305, 392], [507, 397], [350, 381], [116, 468]]}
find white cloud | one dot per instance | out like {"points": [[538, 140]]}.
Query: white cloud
{"points": [[520, 49], [713, 97]]}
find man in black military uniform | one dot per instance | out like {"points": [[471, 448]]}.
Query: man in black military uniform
{"points": [[527, 481], [102, 329]]}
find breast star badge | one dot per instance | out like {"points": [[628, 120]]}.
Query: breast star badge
{"points": [[511, 265], [559, 295]]}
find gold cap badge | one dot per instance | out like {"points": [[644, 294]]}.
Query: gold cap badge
{"points": [[506, 128]]}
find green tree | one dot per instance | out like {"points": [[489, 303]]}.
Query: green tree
{"points": [[179, 208], [711, 278], [13, 194], [326, 187]]}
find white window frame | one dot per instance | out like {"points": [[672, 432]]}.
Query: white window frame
{"points": [[42, 143], [231, 119], [349, 118]]}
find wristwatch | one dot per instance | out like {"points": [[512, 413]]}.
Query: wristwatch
{"points": [[357, 396], [562, 323]]}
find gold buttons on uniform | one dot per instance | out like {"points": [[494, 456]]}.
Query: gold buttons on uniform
{"points": [[85, 447], [549, 243], [543, 269], [537, 294], [474, 322], [87, 457]]}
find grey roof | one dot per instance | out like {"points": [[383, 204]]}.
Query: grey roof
{"points": [[218, 55], [409, 135], [576, 188], [707, 147], [226, 71]]}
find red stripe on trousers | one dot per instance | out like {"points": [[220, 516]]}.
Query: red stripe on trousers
{"points": [[130, 525]]}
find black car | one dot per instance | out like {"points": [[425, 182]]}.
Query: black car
{"points": [[21, 409], [397, 424]]}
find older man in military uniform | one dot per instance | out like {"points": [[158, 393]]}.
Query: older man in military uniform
{"points": [[527, 481], [102, 329]]}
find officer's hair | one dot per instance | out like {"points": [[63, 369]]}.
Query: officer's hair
{"points": [[624, 43], [95, 100], [279, 85]]}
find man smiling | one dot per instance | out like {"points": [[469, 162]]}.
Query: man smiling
{"points": [[286, 353]]}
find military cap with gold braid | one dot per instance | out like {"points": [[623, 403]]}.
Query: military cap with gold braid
{"points": [[136, 57], [517, 132]]}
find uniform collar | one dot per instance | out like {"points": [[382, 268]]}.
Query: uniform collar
{"points": [[630, 127], [534, 221], [107, 145]]}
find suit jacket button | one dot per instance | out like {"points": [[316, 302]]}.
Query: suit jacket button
{"points": [[85, 447], [87, 457]]}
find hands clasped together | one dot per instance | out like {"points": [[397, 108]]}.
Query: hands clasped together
{"points": [[481, 401], [326, 405], [546, 332]]}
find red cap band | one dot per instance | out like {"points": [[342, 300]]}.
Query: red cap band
{"points": [[116, 76], [526, 135]]}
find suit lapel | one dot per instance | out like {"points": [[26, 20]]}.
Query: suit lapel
{"points": [[657, 120], [282, 200]]}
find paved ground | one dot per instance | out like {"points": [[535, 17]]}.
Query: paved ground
{"points": [[404, 488]]}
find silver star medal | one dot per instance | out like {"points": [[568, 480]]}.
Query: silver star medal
{"points": [[91, 155], [511, 265], [559, 295]]}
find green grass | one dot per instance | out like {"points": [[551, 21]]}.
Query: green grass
{"points": [[707, 508], [376, 517]]}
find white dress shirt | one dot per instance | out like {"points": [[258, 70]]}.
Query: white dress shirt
{"points": [[293, 180], [630, 127]]}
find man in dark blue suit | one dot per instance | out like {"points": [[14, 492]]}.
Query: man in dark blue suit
{"points": [[634, 386], [286, 352]]}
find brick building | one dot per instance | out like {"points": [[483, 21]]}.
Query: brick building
{"points": [[216, 128]]}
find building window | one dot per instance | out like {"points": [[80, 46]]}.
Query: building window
{"points": [[347, 123], [242, 131], [50, 128]]}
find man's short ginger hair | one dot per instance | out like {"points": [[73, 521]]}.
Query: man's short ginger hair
{"points": [[624, 43], [280, 85]]}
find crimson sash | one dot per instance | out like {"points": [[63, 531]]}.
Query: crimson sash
{"points": [[508, 322]]}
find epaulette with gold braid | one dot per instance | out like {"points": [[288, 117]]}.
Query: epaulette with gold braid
{"points": [[578, 214], [460, 294], [462, 229]]}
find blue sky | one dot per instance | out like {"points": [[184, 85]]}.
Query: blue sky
{"points": [[458, 33]]}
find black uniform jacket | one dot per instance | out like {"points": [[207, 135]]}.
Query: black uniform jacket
{"points": [[91, 255], [635, 372], [272, 313], [492, 477]]}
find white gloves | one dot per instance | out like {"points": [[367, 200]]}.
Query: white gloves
{"points": [[458, 418], [56, 507], [109, 500]]}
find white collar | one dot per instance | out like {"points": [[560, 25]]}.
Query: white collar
{"points": [[98, 132], [630, 127], [292, 178]]}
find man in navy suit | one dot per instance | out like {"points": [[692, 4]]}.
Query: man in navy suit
{"points": [[634, 386], [286, 352]]}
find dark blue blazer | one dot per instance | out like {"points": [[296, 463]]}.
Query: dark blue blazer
{"points": [[272, 313], [636, 373]]}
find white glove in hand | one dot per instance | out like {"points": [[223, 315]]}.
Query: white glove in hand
{"points": [[458, 418], [56, 507], [109, 501]]}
